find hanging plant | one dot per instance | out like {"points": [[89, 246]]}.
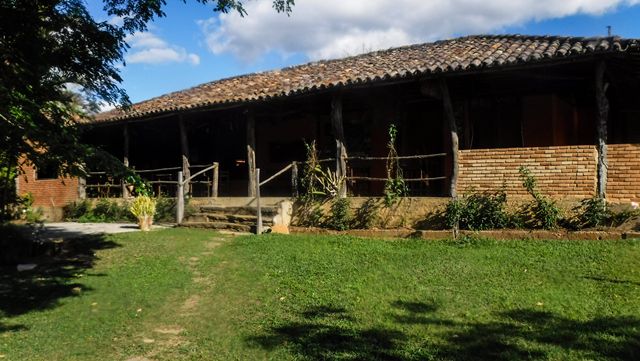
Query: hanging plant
{"points": [[395, 185]]}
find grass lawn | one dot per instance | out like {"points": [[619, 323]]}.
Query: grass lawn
{"points": [[195, 295]]}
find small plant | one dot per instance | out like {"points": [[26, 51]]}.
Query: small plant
{"points": [[591, 212], [339, 218], [310, 175], [394, 187], [140, 187], [478, 211], [143, 208], [541, 212]]}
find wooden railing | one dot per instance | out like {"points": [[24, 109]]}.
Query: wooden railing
{"points": [[159, 179]]}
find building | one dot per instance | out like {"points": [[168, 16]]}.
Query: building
{"points": [[479, 107]]}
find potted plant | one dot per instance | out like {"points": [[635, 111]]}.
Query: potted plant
{"points": [[143, 208]]}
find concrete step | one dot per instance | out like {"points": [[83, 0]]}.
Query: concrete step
{"points": [[269, 211], [236, 227], [228, 218]]}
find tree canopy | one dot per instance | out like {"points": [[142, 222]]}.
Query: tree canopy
{"points": [[50, 52]]}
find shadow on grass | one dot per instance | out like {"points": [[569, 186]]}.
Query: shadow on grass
{"points": [[416, 332], [55, 277]]}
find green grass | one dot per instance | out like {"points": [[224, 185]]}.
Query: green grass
{"points": [[325, 298]]}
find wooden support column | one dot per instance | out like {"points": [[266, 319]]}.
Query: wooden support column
{"points": [[251, 153], [603, 116], [125, 158], [453, 129], [184, 146], [341, 149]]}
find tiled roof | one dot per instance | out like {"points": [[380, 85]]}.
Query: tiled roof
{"points": [[455, 55]]}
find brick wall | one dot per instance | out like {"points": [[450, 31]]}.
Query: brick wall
{"points": [[47, 192], [562, 172], [623, 183]]}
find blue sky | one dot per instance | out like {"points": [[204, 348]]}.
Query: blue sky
{"points": [[193, 45]]}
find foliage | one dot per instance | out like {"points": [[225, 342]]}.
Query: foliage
{"points": [[7, 190], [594, 212], [105, 210], [330, 182], [143, 206], [56, 63], [339, 217], [395, 186], [478, 211], [542, 212], [591, 212], [140, 186], [166, 210]]}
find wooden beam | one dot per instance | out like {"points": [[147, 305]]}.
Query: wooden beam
{"points": [[453, 129], [125, 158], [603, 116], [251, 152], [184, 147], [341, 149]]}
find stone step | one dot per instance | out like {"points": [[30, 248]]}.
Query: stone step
{"points": [[228, 218], [236, 227], [269, 211]]}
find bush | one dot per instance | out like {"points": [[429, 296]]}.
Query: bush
{"points": [[591, 212], [339, 218], [478, 211], [166, 210], [542, 212], [105, 210]]}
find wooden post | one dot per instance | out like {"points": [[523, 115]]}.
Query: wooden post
{"points": [[341, 149], [184, 146], [180, 199], [294, 179], [251, 153], [259, 208], [451, 120], [603, 115], [125, 159], [214, 185]]}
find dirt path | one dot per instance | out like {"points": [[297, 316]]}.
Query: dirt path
{"points": [[165, 338]]}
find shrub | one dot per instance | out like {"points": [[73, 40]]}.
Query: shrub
{"points": [[478, 211], [339, 218], [105, 210], [542, 212], [591, 212], [166, 210]]}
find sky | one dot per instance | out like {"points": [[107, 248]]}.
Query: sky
{"points": [[194, 45]]}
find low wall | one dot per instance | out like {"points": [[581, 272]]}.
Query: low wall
{"points": [[561, 172], [623, 181], [50, 195]]}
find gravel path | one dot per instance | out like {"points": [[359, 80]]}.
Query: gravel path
{"points": [[73, 229]]}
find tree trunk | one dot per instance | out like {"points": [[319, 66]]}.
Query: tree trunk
{"points": [[341, 149], [251, 153], [451, 120], [125, 158], [184, 146], [603, 115]]}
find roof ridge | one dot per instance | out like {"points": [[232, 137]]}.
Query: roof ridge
{"points": [[445, 55]]}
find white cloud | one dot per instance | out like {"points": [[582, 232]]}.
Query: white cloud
{"points": [[149, 48], [334, 28]]}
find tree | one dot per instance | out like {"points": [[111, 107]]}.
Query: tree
{"points": [[49, 48]]}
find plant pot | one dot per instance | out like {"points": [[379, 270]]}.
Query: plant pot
{"points": [[145, 223]]}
